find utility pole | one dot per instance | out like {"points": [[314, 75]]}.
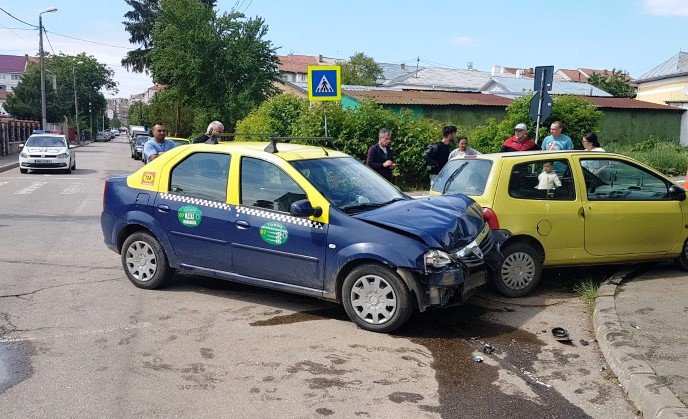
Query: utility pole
{"points": [[44, 120], [76, 103]]}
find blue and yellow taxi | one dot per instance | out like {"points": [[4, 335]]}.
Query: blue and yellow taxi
{"points": [[297, 218]]}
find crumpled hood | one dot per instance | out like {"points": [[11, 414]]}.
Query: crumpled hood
{"points": [[45, 150], [441, 221]]}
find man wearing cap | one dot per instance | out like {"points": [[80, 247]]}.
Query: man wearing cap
{"points": [[519, 141]]}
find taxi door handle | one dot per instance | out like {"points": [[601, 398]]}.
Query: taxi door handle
{"points": [[242, 224], [581, 212], [163, 208]]}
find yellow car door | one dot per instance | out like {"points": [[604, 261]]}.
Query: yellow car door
{"points": [[628, 209], [541, 200]]}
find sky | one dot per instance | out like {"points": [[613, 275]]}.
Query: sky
{"points": [[631, 35]]}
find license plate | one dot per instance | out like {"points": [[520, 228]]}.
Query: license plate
{"points": [[42, 161]]}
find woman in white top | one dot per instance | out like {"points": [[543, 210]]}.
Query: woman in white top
{"points": [[548, 179], [591, 143]]}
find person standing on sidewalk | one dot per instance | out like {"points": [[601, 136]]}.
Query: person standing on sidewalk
{"points": [[380, 157], [436, 154], [519, 141], [462, 149], [158, 144]]}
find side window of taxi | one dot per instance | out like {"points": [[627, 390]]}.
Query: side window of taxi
{"points": [[615, 180], [543, 180], [201, 175], [265, 185]]}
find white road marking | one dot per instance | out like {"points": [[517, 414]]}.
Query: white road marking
{"points": [[82, 333], [31, 188], [72, 189]]}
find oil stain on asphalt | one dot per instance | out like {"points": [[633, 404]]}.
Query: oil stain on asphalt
{"points": [[15, 363], [467, 388]]}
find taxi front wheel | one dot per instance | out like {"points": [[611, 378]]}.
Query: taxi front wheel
{"points": [[376, 298], [519, 272], [145, 262]]}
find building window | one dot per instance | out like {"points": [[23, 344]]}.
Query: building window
{"points": [[16, 76], [2, 76]]}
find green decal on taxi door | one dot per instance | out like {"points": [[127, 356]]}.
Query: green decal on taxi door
{"points": [[189, 216], [274, 233]]}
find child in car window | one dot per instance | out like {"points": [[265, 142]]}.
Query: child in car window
{"points": [[548, 179]]}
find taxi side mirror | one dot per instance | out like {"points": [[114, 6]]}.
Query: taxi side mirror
{"points": [[303, 208], [676, 192]]}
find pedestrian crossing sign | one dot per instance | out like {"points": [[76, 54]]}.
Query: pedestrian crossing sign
{"points": [[324, 82]]}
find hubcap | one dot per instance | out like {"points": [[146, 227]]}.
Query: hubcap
{"points": [[141, 262], [518, 270], [373, 299]]}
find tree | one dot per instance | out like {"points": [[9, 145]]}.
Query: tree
{"points": [[115, 122], [614, 84], [139, 24], [90, 77], [361, 70], [219, 65]]}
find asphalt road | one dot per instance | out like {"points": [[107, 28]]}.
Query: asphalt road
{"points": [[78, 340]]}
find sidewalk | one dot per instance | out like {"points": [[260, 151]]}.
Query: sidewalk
{"points": [[11, 161], [640, 323]]}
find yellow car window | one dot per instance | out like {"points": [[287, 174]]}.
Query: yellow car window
{"points": [[614, 180], [542, 179]]}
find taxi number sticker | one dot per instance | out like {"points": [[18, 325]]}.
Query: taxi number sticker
{"points": [[274, 233], [189, 216], [148, 178]]}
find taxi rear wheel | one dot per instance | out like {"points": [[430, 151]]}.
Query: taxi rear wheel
{"points": [[682, 259], [145, 262], [376, 298], [519, 272]]}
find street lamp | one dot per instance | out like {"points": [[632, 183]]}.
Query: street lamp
{"points": [[76, 105], [40, 49]]}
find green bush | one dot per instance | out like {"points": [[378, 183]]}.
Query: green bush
{"points": [[669, 158], [276, 115]]}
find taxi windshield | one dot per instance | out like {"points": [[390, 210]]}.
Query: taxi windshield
{"points": [[348, 184], [45, 142]]}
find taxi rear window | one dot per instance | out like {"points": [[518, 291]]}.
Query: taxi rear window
{"points": [[466, 176]]}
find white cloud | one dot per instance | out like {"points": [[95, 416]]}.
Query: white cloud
{"points": [[462, 40], [667, 7]]}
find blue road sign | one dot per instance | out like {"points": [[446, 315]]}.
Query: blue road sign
{"points": [[324, 83]]}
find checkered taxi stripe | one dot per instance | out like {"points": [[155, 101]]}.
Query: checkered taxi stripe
{"points": [[285, 218], [196, 201]]}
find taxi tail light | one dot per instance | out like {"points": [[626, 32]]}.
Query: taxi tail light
{"points": [[105, 188], [490, 218]]}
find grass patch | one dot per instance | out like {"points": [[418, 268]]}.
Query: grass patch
{"points": [[668, 157], [587, 290]]}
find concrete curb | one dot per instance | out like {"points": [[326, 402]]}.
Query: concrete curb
{"points": [[636, 376], [10, 166]]}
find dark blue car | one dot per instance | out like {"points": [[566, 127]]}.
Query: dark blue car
{"points": [[301, 219]]}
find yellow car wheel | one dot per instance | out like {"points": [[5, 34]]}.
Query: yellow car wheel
{"points": [[519, 272]]}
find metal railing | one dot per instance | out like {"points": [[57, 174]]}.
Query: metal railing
{"points": [[13, 132]]}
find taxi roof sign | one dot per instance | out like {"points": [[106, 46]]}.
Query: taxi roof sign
{"points": [[324, 82]]}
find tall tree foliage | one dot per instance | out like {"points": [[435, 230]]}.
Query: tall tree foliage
{"points": [[361, 70], [614, 84], [89, 77], [220, 65], [139, 24]]}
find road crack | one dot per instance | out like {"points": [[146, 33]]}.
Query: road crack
{"points": [[23, 294]]}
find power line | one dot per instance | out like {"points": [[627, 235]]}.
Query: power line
{"points": [[49, 43], [89, 41], [9, 29], [16, 18]]}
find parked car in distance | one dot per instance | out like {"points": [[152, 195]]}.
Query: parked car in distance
{"points": [[102, 136], [570, 208], [301, 219], [137, 146], [47, 152]]}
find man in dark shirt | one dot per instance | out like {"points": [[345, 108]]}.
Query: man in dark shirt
{"points": [[437, 154], [380, 157], [215, 127]]}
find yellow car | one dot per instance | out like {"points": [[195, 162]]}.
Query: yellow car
{"points": [[180, 141], [570, 208]]}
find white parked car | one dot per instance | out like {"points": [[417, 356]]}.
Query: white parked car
{"points": [[47, 152]]}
